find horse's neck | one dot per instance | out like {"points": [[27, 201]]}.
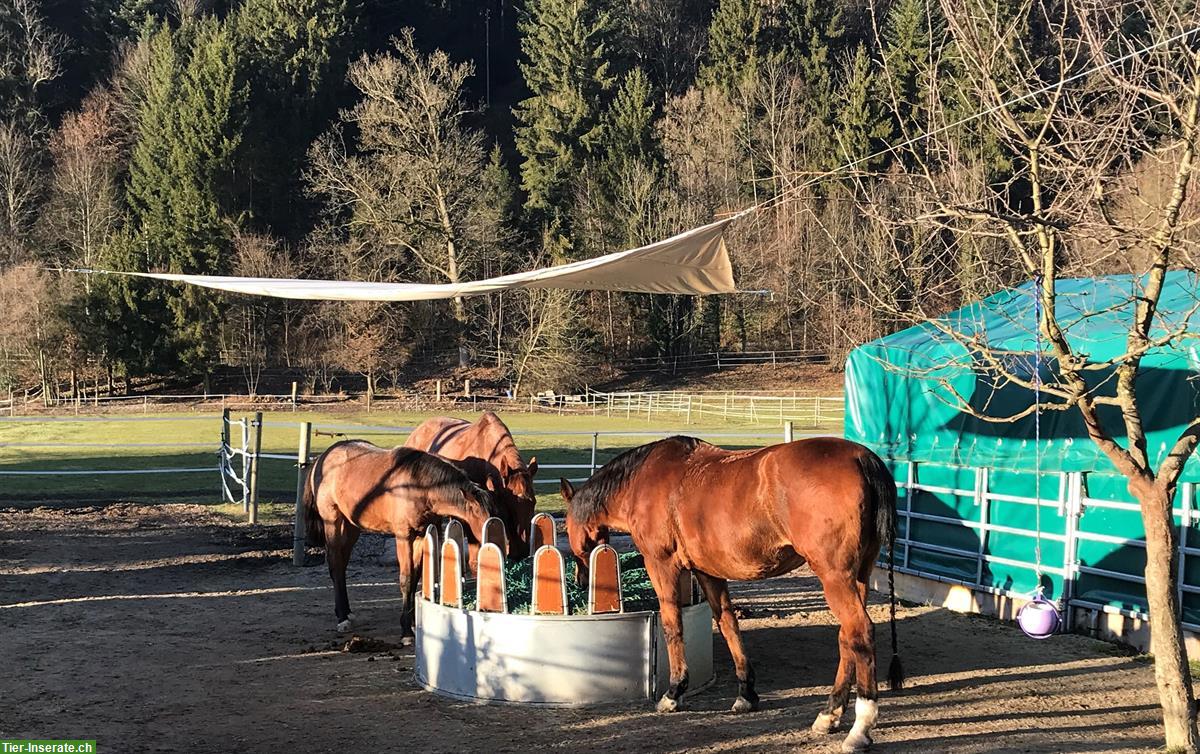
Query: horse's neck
{"points": [[473, 515]]}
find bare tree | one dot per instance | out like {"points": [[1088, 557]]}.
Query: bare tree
{"points": [[20, 189], [83, 207], [411, 200], [1101, 102]]}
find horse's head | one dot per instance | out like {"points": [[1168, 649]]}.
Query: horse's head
{"points": [[521, 501], [584, 536]]}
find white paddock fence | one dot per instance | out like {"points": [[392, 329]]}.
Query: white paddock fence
{"points": [[72, 469], [731, 406]]}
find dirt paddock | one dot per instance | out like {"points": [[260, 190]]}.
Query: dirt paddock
{"points": [[168, 628]]}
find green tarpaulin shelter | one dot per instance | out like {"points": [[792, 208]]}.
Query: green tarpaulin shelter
{"points": [[901, 389], [968, 486]]}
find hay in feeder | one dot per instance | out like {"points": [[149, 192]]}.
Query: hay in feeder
{"points": [[636, 590]]}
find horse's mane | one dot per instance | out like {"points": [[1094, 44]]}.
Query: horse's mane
{"points": [[430, 471], [591, 499]]}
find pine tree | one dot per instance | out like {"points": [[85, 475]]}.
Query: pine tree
{"points": [[733, 39], [862, 123], [294, 53], [629, 123], [567, 71], [188, 131], [907, 36]]}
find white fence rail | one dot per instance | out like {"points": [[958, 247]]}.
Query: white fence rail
{"points": [[730, 406]]}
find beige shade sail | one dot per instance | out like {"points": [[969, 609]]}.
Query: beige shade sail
{"points": [[695, 262]]}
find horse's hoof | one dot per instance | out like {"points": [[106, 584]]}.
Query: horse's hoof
{"points": [[825, 723], [344, 626], [742, 704], [856, 742], [406, 641], [667, 704]]}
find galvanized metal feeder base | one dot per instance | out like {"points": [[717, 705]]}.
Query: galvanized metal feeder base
{"points": [[555, 660]]}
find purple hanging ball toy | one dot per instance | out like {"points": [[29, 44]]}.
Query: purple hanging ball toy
{"points": [[1039, 618]]}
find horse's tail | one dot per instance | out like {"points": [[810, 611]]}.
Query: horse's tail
{"points": [[883, 489], [314, 526]]}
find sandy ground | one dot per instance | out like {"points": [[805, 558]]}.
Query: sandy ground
{"points": [[167, 628]]}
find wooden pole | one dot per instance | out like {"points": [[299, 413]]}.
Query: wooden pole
{"points": [[466, 388], [224, 448], [788, 433], [301, 474], [437, 394], [294, 388], [253, 481]]}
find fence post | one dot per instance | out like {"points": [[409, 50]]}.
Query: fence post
{"points": [[595, 444], [788, 432], [1184, 491], [301, 474], [437, 394], [467, 388], [1073, 494], [145, 405], [224, 453], [294, 386], [253, 481], [689, 409]]}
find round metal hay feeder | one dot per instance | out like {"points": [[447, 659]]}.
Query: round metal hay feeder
{"points": [[548, 660], [554, 660]]}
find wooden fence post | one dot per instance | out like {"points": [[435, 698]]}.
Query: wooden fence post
{"points": [[300, 527], [253, 481], [466, 388], [294, 390], [788, 432], [224, 449], [437, 392]]}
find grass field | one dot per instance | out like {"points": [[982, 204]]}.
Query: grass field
{"points": [[107, 444]]}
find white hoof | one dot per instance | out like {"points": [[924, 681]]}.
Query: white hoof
{"points": [[344, 626], [667, 704], [742, 704], [856, 742], [826, 723], [406, 641]]}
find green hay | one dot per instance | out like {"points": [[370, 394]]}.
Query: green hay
{"points": [[637, 593]]}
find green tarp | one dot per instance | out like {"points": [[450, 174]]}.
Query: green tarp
{"points": [[900, 390]]}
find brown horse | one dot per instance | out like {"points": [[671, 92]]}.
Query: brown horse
{"points": [[355, 486], [486, 451], [746, 515]]}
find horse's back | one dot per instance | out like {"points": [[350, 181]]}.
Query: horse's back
{"points": [[785, 502], [435, 434]]}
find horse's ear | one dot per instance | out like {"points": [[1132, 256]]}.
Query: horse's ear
{"points": [[566, 489], [490, 484], [532, 466]]}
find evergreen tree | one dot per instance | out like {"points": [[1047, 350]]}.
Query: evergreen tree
{"points": [[189, 129], [565, 44], [294, 53], [629, 124], [733, 39], [862, 124]]}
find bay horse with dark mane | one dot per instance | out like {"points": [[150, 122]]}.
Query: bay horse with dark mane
{"points": [[355, 486], [746, 515], [486, 451]]}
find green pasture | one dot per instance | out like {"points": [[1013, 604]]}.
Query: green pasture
{"points": [[92, 444]]}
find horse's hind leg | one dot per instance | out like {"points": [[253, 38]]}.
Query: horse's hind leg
{"points": [[856, 647], [717, 592], [340, 537], [665, 578]]}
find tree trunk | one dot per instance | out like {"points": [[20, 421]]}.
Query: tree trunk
{"points": [[1171, 671]]}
